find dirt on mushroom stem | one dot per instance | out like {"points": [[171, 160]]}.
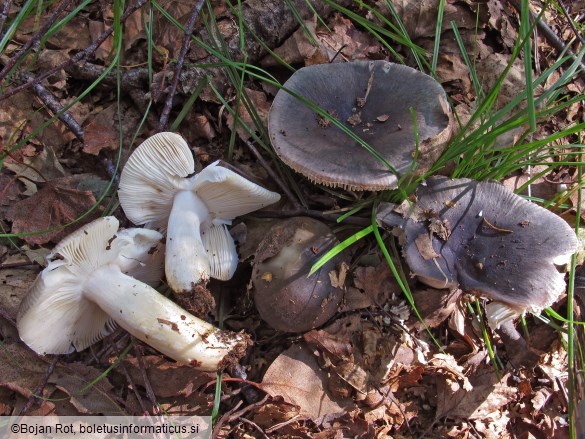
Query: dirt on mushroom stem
{"points": [[198, 301]]}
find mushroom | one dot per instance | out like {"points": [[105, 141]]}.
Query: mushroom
{"points": [[87, 287], [372, 99], [486, 239], [156, 189], [285, 297]]}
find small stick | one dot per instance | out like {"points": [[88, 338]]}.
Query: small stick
{"points": [[284, 424], [238, 415], [27, 265], [496, 228], [35, 39], [135, 78], [148, 387], [274, 176], [4, 15], [75, 58], [256, 426], [164, 118], [223, 419], [39, 389], [131, 381], [52, 104], [548, 33], [571, 22]]}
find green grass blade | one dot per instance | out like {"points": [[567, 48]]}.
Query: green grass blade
{"points": [[438, 32], [525, 29], [339, 248]]}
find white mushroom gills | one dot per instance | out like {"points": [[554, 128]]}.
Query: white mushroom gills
{"points": [[88, 285], [156, 190]]}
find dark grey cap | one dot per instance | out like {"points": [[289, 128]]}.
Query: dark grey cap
{"points": [[373, 100], [488, 240]]}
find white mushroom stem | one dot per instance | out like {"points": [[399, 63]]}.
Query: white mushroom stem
{"points": [[186, 262], [159, 322]]}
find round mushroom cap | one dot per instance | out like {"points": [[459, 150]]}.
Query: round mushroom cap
{"points": [[372, 99], [54, 316], [488, 240], [285, 297]]}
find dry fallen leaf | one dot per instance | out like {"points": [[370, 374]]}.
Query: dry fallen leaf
{"points": [[434, 306], [101, 132], [347, 41], [55, 205], [170, 379], [424, 245], [14, 284], [260, 104], [486, 397], [298, 48], [296, 376], [21, 371], [33, 168], [376, 282]]}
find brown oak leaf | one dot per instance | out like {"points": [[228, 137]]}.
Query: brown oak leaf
{"points": [[51, 208]]}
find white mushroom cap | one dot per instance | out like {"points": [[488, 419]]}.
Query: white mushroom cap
{"points": [[153, 175], [194, 211], [86, 288], [56, 299]]}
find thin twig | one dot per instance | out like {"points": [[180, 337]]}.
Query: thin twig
{"points": [[52, 104], [145, 411], [549, 34], [274, 176], [295, 418], [238, 415], [223, 419], [4, 15], [571, 22], [256, 426], [27, 265], [75, 58], [164, 118], [39, 389], [491, 226], [34, 41], [147, 386], [134, 78]]}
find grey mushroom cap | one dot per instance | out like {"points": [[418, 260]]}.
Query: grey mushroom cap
{"points": [[373, 100], [488, 240]]}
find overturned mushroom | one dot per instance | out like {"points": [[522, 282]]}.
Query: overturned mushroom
{"points": [[88, 287], [372, 99], [285, 296], [488, 240], [156, 189]]}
